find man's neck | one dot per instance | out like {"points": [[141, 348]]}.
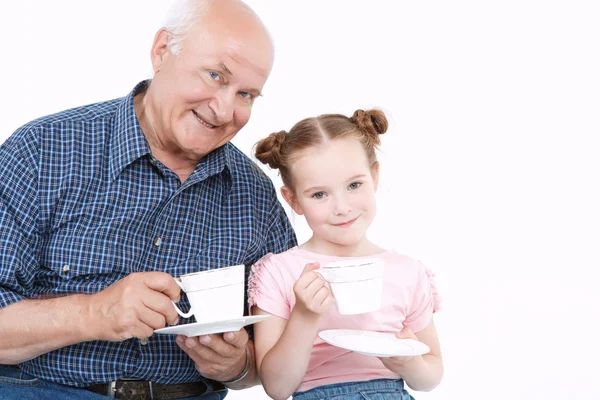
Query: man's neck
{"points": [[181, 166]]}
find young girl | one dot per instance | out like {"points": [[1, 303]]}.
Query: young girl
{"points": [[330, 174]]}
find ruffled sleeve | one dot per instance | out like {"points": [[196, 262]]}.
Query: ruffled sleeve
{"points": [[266, 287], [426, 300], [437, 300]]}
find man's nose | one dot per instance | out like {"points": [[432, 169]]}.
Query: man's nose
{"points": [[223, 105]]}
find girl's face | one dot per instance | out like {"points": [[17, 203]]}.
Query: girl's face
{"points": [[334, 188]]}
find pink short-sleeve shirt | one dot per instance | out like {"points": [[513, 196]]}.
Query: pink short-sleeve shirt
{"points": [[409, 299]]}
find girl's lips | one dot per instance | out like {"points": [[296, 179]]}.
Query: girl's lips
{"points": [[346, 224]]}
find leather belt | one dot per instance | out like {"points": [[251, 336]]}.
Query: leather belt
{"points": [[129, 389]]}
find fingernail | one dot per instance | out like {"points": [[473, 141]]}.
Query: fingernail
{"points": [[229, 336], [205, 339]]}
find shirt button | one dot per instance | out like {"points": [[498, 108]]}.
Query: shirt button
{"points": [[66, 268], [157, 241], [144, 341]]}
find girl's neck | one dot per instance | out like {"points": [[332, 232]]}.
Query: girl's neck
{"points": [[363, 248]]}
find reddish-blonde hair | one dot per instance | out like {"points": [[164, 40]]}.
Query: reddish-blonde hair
{"points": [[278, 149]]}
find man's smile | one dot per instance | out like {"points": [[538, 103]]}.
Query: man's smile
{"points": [[203, 122]]}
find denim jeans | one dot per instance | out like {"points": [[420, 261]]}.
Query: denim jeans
{"points": [[378, 389], [18, 385]]}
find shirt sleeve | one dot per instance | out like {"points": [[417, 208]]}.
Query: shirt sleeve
{"points": [[266, 288], [425, 301], [19, 209], [281, 236]]}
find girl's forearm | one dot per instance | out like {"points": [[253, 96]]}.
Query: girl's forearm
{"points": [[422, 373], [284, 366]]}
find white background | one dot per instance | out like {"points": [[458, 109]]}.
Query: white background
{"points": [[489, 170]]}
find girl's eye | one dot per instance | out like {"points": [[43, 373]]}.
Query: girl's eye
{"points": [[354, 185], [319, 195], [215, 76]]}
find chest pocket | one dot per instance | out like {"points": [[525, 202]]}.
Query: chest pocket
{"points": [[82, 257], [220, 251]]}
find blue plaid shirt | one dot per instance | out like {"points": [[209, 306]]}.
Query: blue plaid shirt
{"points": [[83, 203]]}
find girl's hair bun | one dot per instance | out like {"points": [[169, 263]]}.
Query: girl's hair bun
{"points": [[371, 122], [268, 150]]}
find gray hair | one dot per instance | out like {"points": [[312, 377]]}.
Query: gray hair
{"points": [[181, 18]]}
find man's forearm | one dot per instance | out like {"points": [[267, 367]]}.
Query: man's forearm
{"points": [[30, 328]]}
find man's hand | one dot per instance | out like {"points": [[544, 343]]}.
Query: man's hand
{"points": [[134, 306], [217, 357]]}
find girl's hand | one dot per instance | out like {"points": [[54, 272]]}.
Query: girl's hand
{"points": [[313, 296], [395, 364]]}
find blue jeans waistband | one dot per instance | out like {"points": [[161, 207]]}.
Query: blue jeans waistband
{"points": [[350, 388]]}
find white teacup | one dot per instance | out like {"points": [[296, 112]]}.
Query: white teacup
{"points": [[214, 295], [356, 285]]}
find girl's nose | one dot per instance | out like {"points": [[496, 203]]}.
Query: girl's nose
{"points": [[342, 207]]}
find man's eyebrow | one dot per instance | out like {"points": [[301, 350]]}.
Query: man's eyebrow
{"points": [[224, 68], [253, 92]]}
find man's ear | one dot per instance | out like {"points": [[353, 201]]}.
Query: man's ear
{"points": [[288, 195], [159, 49], [375, 174]]}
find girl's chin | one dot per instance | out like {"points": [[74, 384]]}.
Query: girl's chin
{"points": [[343, 242]]}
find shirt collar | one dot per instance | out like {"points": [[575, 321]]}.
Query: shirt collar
{"points": [[127, 142], [213, 163]]}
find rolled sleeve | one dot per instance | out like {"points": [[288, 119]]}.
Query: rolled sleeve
{"points": [[19, 237], [8, 297], [16, 260]]}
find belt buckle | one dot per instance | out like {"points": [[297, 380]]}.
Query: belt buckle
{"points": [[120, 392], [112, 389]]}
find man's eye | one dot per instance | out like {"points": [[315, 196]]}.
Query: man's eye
{"points": [[215, 76], [354, 185], [319, 195], [246, 95]]}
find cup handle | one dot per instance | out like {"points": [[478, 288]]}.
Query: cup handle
{"points": [[184, 315]]}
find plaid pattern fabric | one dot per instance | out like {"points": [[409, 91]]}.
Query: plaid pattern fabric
{"points": [[83, 203]]}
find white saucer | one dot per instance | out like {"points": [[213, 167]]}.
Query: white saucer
{"points": [[376, 344], [206, 328]]}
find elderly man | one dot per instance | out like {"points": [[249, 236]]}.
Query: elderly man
{"points": [[102, 205]]}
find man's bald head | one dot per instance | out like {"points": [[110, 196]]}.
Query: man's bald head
{"points": [[186, 16]]}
